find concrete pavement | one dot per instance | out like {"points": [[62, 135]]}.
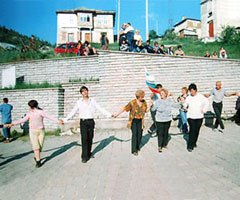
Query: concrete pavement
{"points": [[211, 171]]}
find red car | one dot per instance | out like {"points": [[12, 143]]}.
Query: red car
{"points": [[66, 47]]}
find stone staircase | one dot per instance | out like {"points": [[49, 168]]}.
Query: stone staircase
{"points": [[122, 73]]}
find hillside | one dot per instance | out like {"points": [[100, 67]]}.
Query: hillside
{"points": [[191, 47]]}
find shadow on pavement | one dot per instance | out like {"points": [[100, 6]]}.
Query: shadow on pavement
{"points": [[59, 150], [186, 137], [145, 140], [14, 157], [105, 142]]}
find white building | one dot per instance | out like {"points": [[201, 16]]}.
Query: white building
{"points": [[216, 14], [84, 25], [188, 28]]}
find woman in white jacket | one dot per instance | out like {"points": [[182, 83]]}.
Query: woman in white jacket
{"points": [[197, 105]]}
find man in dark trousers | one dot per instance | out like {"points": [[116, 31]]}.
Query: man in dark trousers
{"points": [[218, 93], [87, 108], [6, 110], [154, 97]]}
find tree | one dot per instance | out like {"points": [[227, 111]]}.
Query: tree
{"points": [[152, 34], [230, 35], [169, 34]]}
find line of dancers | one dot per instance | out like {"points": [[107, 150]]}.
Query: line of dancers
{"points": [[192, 108]]}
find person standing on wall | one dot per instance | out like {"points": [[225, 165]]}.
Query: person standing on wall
{"points": [[87, 108], [218, 93], [6, 112], [104, 41], [197, 105]]}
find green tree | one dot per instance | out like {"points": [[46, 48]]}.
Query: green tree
{"points": [[230, 35], [169, 34], [152, 34]]}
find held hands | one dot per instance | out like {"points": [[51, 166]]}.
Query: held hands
{"points": [[151, 102], [8, 125], [114, 115]]}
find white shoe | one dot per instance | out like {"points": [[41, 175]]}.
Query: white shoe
{"points": [[214, 129]]}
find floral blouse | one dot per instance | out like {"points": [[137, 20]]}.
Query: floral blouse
{"points": [[135, 111]]}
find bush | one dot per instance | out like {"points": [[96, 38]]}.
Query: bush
{"points": [[230, 35], [169, 35]]}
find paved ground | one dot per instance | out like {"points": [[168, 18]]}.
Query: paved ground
{"points": [[211, 171]]}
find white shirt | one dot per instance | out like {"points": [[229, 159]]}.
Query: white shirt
{"points": [[137, 37], [197, 106], [86, 109], [128, 28]]}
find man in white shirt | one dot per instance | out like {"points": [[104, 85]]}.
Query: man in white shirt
{"points": [[129, 31], [197, 105], [87, 107]]}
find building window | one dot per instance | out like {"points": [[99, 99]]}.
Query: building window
{"points": [[209, 14], [85, 18], [99, 19], [70, 37], [71, 20], [105, 20]]}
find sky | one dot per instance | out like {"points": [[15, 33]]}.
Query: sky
{"points": [[38, 17]]}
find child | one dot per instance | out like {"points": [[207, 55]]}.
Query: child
{"points": [[124, 46], [35, 117]]}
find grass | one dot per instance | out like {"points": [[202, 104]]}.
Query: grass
{"points": [[84, 80], [33, 86], [191, 47]]}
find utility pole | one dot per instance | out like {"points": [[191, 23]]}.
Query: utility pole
{"points": [[146, 19], [118, 33]]}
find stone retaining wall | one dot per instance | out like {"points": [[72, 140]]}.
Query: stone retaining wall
{"points": [[50, 100]]}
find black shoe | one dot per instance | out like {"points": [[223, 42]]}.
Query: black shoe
{"points": [[38, 164], [189, 149], [150, 132], [84, 161]]}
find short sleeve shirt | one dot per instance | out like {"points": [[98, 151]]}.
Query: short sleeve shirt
{"points": [[218, 95]]}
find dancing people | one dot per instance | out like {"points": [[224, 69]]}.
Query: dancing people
{"points": [[163, 107], [154, 97], [183, 110], [137, 107], [87, 108], [218, 93], [197, 105], [35, 116]]}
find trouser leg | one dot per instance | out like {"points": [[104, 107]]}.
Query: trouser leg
{"points": [[195, 125], [198, 124], [160, 133], [90, 136], [153, 126], [6, 132], [192, 131], [184, 121], [139, 133], [217, 107], [134, 136], [165, 131], [84, 139]]}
